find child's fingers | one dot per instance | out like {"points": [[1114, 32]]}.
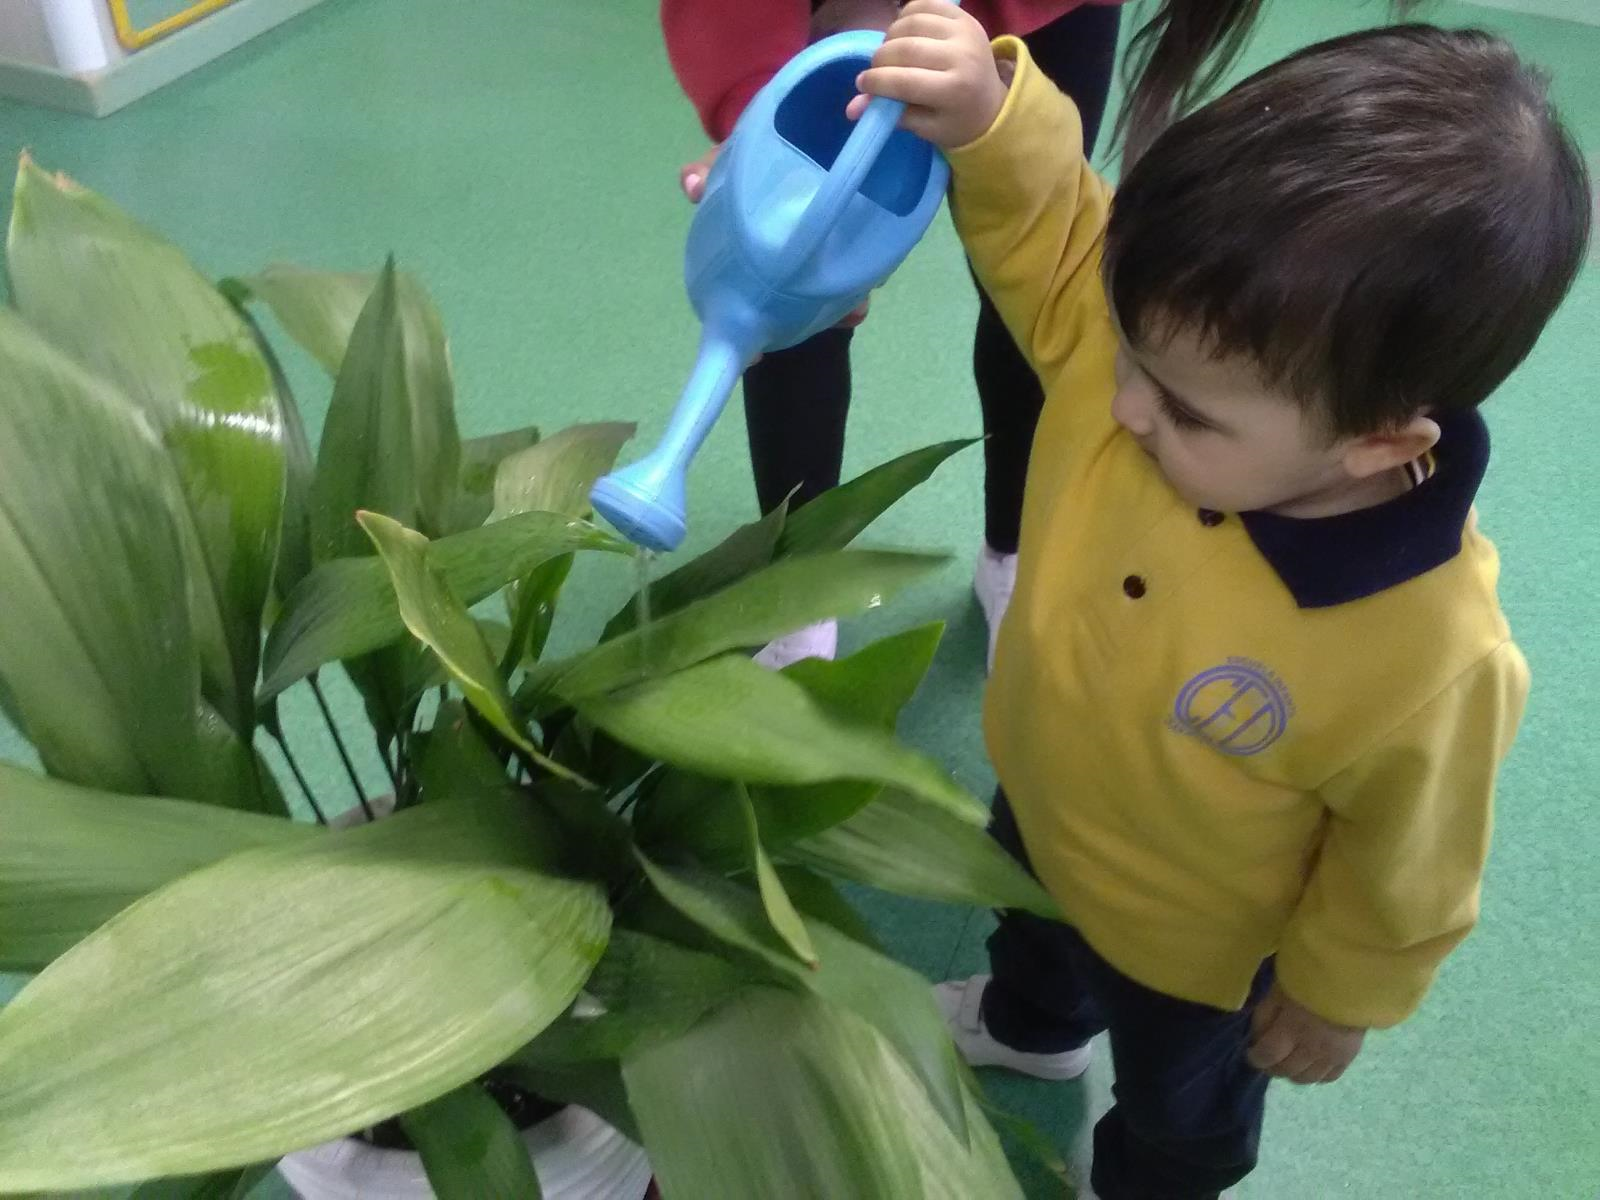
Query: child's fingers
{"points": [[926, 123], [922, 52], [1303, 1066], [1273, 1043], [912, 85], [920, 121], [938, 26]]}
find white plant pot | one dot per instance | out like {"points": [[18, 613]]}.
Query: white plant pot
{"points": [[576, 1155]]}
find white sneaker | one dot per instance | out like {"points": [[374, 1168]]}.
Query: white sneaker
{"points": [[961, 1002], [994, 581], [814, 641]]}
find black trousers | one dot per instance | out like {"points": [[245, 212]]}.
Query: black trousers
{"points": [[1186, 1117], [796, 400]]}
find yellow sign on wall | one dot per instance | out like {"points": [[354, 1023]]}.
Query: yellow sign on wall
{"points": [[136, 29]]}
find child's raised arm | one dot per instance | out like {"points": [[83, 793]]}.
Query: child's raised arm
{"points": [[1029, 210]]}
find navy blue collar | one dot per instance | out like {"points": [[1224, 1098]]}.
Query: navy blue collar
{"points": [[1325, 561]]}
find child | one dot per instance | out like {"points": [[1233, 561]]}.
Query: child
{"points": [[1255, 683]]}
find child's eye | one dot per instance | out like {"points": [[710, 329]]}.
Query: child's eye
{"points": [[1180, 416]]}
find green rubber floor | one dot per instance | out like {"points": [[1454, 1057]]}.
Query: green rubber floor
{"points": [[521, 158]]}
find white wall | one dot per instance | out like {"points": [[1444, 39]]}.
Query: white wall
{"points": [[69, 35], [22, 33]]}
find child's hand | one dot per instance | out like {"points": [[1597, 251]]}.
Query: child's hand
{"points": [[936, 58], [1293, 1043], [692, 175], [692, 179]]}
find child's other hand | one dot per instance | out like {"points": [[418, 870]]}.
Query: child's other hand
{"points": [[936, 58], [1293, 1043], [692, 179], [692, 175]]}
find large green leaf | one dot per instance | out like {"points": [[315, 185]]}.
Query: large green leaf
{"points": [[248, 1002], [470, 1149], [706, 819], [781, 1095], [714, 821], [731, 719], [366, 459], [299, 468], [346, 608], [902, 844], [686, 815], [556, 474], [596, 1084], [833, 519], [316, 308], [534, 611], [892, 997], [872, 686], [876, 682], [320, 310], [648, 989], [780, 599], [127, 304], [781, 912], [96, 649], [746, 549], [71, 858], [480, 460], [820, 898], [438, 619]]}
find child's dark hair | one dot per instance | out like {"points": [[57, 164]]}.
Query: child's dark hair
{"points": [[1383, 222], [1180, 54]]}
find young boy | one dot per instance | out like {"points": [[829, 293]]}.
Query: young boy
{"points": [[1255, 683]]}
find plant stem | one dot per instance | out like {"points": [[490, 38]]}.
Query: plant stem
{"points": [[344, 755], [300, 778], [388, 765]]}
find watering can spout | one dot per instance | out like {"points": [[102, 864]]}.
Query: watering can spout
{"points": [[647, 501]]}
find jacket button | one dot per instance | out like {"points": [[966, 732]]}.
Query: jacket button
{"points": [[1211, 518], [1133, 587]]}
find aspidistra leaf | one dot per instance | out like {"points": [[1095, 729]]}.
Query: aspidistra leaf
{"points": [[72, 858], [127, 304], [249, 1001], [98, 656]]}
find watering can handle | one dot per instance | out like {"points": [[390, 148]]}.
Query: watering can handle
{"points": [[849, 170], [843, 180]]}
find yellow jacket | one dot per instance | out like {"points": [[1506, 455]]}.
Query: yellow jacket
{"points": [[1227, 736]]}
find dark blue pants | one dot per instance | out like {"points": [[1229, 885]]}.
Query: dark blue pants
{"points": [[1186, 1117]]}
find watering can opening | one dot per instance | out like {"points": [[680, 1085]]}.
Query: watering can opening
{"points": [[811, 119]]}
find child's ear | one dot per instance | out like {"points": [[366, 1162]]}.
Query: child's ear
{"points": [[1375, 453]]}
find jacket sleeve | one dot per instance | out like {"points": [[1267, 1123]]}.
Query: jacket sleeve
{"points": [[1396, 885], [724, 51], [1032, 215]]}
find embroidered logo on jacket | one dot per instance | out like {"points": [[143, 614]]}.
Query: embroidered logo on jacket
{"points": [[1240, 707]]}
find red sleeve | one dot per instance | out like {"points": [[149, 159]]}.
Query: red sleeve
{"points": [[724, 51]]}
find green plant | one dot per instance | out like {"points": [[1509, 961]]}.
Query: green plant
{"points": [[608, 875]]}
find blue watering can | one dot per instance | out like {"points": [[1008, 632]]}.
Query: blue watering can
{"points": [[803, 215]]}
